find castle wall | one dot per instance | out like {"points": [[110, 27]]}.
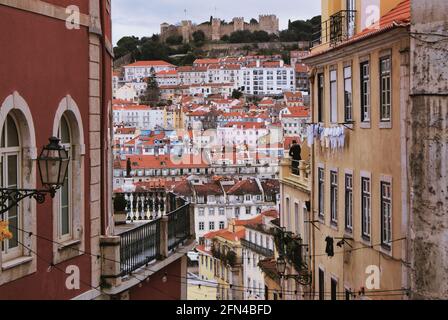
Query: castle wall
{"points": [[215, 31]]}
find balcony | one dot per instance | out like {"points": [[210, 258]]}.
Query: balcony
{"points": [[144, 246], [258, 249], [296, 172], [339, 28]]}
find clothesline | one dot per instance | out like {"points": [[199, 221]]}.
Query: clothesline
{"points": [[330, 137]]}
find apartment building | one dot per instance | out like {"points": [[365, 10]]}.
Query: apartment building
{"points": [[258, 244], [138, 71], [39, 102], [360, 80], [139, 116], [271, 78]]}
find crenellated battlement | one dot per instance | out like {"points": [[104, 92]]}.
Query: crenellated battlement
{"points": [[216, 29]]}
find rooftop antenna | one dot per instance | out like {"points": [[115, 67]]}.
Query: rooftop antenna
{"points": [[185, 10]]}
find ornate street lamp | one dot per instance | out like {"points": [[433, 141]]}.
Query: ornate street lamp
{"points": [[53, 167], [281, 265]]}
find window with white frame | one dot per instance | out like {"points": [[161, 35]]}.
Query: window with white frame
{"points": [[349, 203], [365, 207], [348, 102], [211, 211], [386, 214], [385, 89], [211, 225], [10, 177], [65, 219], [201, 226], [221, 211], [333, 97], [321, 192], [334, 197], [365, 91], [201, 212], [221, 225]]}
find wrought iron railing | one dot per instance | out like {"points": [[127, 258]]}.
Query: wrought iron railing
{"points": [[257, 248], [139, 246], [178, 226], [339, 28]]}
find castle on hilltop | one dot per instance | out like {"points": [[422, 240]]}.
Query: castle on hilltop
{"points": [[216, 28]]}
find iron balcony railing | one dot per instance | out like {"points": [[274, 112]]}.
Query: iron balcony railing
{"points": [[178, 226], [139, 246], [339, 28], [257, 248]]}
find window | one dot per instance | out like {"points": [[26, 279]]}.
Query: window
{"points": [[65, 213], [248, 210], [321, 284], [320, 97], [334, 197], [365, 208], [348, 104], [334, 289], [237, 212], [10, 178], [296, 218], [349, 202], [386, 214], [365, 92], [221, 211], [333, 97], [221, 225], [211, 211], [385, 89], [211, 225], [201, 226], [201, 211], [321, 187]]}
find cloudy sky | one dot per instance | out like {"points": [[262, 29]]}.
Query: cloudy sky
{"points": [[143, 17]]}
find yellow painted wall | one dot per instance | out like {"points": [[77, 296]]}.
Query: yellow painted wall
{"points": [[374, 150]]}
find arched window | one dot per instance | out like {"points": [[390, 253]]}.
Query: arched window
{"points": [[69, 203], [10, 149], [65, 219]]}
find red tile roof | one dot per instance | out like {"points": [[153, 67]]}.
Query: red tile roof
{"points": [[161, 162], [244, 187], [152, 63]]}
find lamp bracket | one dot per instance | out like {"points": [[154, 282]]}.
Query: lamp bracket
{"points": [[10, 197]]}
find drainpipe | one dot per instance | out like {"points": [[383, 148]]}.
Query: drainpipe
{"points": [[311, 215]]}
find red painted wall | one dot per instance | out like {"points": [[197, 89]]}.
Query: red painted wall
{"points": [[44, 61], [156, 289]]}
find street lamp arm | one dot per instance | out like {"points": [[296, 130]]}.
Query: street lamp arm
{"points": [[10, 197]]}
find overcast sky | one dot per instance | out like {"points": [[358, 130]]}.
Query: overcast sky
{"points": [[143, 17]]}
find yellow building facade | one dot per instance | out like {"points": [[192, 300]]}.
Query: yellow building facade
{"points": [[359, 200]]}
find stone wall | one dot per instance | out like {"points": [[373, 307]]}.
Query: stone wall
{"points": [[216, 30], [428, 151]]}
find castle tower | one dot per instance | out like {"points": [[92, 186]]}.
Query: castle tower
{"points": [[216, 29], [186, 27], [269, 23], [238, 24], [163, 30]]}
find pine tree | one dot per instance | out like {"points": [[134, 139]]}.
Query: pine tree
{"points": [[152, 94]]}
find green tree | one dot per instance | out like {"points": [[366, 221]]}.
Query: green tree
{"points": [[236, 94], [199, 37], [126, 45], [225, 38], [260, 36], [151, 96], [174, 40]]}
